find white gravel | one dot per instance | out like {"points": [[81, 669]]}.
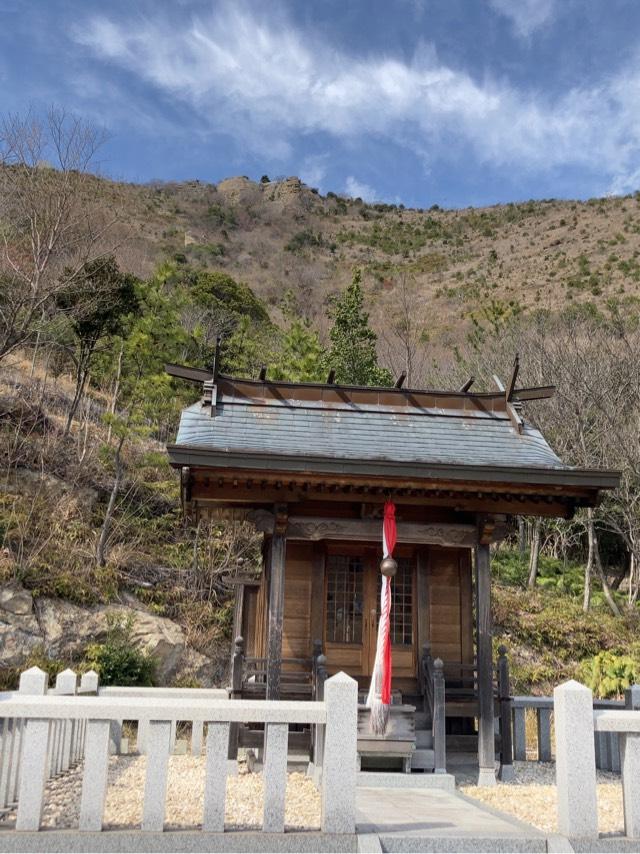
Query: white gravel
{"points": [[185, 797], [531, 797]]}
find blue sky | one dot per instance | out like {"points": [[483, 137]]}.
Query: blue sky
{"points": [[455, 102]]}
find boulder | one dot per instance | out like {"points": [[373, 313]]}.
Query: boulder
{"points": [[19, 630], [197, 668], [160, 637], [20, 635], [15, 599], [68, 629], [64, 630]]}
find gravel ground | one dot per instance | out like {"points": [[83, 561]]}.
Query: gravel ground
{"points": [[531, 797], [185, 795]]}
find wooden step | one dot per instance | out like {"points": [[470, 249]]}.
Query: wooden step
{"points": [[424, 738], [423, 720]]}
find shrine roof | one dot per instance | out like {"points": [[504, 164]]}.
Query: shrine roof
{"points": [[322, 427]]}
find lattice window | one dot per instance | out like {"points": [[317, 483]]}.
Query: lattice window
{"points": [[345, 576], [401, 602]]}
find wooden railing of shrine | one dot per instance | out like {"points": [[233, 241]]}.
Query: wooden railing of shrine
{"points": [[450, 689], [434, 692]]}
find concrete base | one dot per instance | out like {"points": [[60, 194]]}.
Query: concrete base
{"points": [[606, 844], [369, 843], [559, 845], [506, 774], [463, 845], [487, 777], [72, 841], [383, 780]]}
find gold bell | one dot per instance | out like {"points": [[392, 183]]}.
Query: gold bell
{"points": [[388, 567]]}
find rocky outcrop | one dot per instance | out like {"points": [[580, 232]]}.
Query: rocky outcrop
{"points": [[20, 633], [239, 190], [16, 600], [64, 630]]}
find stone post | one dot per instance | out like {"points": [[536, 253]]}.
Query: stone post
{"points": [[340, 755], [31, 776], [575, 761], [67, 684], [630, 766], [89, 682], [632, 698]]}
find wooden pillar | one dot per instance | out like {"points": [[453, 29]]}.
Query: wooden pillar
{"points": [[277, 556], [486, 731]]}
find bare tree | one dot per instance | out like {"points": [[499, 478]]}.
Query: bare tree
{"points": [[403, 333], [592, 421], [50, 225]]}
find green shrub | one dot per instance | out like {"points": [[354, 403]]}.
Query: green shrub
{"points": [[221, 217], [116, 659], [609, 674], [304, 239], [10, 676]]}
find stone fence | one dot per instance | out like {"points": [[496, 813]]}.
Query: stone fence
{"points": [[606, 744], [576, 724], [45, 733]]}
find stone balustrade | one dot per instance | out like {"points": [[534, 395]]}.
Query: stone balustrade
{"points": [[576, 723], [47, 733], [66, 738], [607, 748]]}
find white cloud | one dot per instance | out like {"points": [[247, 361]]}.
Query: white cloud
{"points": [[314, 170], [526, 16], [263, 81], [357, 189]]}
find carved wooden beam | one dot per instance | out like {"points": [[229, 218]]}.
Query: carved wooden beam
{"points": [[312, 528]]}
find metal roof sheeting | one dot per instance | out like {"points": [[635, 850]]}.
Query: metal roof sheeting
{"points": [[351, 434]]}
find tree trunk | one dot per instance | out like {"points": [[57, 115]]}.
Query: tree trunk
{"points": [[116, 389], [634, 580], [535, 555], [522, 539], [81, 380], [611, 602], [108, 516], [586, 599]]}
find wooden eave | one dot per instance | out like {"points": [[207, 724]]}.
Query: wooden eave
{"points": [[462, 488], [395, 473]]}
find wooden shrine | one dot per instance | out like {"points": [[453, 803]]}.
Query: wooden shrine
{"points": [[311, 466]]}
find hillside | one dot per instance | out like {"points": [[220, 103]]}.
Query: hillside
{"points": [[97, 565], [282, 235]]}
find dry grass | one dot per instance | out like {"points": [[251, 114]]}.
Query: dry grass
{"points": [[532, 797]]}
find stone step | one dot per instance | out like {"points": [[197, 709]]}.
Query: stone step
{"points": [[424, 738], [465, 844], [395, 780], [423, 760]]}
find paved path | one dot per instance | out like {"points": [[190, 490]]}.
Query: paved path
{"points": [[431, 819]]}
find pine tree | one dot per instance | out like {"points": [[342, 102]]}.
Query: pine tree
{"points": [[353, 343], [301, 358]]}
